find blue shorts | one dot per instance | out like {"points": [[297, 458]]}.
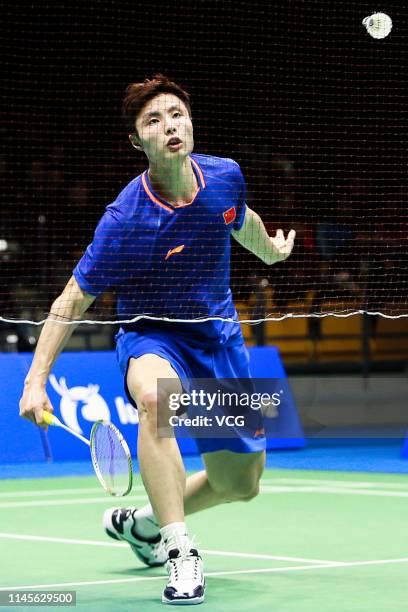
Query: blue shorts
{"points": [[192, 362]]}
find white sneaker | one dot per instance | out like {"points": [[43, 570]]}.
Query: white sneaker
{"points": [[120, 524], [186, 583]]}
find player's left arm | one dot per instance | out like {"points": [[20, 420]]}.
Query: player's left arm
{"points": [[254, 237]]}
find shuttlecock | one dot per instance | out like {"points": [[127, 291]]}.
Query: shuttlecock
{"points": [[378, 25]]}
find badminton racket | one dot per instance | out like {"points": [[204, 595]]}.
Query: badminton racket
{"points": [[110, 454]]}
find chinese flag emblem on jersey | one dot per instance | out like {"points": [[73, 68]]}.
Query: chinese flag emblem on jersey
{"points": [[229, 215]]}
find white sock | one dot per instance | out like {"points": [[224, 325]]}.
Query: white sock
{"points": [[174, 535], [146, 522]]}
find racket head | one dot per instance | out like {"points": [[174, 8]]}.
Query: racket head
{"points": [[111, 458]]}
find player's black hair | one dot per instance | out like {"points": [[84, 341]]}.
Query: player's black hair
{"points": [[137, 94]]}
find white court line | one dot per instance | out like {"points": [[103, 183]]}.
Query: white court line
{"points": [[64, 502], [336, 483], [222, 553], [219, 553], [265, 490], [47, 492], [264, 481], [296, 568], [332, 490]]}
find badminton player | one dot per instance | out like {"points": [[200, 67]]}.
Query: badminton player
{"points": [[164, 246]]}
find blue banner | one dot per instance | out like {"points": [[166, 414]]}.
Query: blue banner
{"points": [[19, 439], [86, 386]]}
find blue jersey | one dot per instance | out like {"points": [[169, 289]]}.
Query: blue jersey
{"points": [[171, 261]]}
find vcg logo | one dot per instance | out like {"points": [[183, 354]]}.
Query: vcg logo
{"points": [[90, 403]]}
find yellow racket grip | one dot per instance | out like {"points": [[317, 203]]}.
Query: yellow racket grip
{"points": [[48, 417]]}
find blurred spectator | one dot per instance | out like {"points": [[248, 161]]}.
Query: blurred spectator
{"points": [[335, 234], [300, 274], [259, 307], [56, 158], [7, 200], [81, 217], [283, 184], [338, 284]]}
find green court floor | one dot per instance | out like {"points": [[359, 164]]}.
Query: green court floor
{"points": [[310, 542]]}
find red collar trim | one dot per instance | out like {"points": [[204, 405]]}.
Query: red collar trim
{"points": [[156, 199]]}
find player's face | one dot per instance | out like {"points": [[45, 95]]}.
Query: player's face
{"points": [[165, 129]]}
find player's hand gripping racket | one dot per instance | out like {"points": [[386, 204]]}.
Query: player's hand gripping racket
{"points": [[110, 454]]}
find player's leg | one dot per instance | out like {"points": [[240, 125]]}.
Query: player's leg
{"points": [[161, 466], [229, 476], [234, 475], [163, 474]]}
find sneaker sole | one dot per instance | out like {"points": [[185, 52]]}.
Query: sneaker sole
{"points": [[111, 535], [133, 547], [138, 554], [183, 602]]}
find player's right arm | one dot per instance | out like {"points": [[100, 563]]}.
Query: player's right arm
{"points": [[68, 307]]}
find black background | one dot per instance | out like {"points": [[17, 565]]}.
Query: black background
{"points": [[293, 80]]}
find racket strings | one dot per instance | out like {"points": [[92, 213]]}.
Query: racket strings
{"points": [[111, 458]]}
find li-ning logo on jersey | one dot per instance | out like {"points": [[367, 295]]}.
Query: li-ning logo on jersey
{"points": [[171, 252], [229, 215]]}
